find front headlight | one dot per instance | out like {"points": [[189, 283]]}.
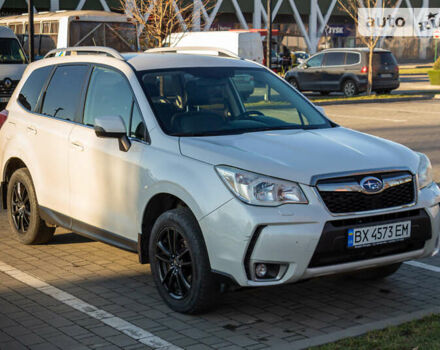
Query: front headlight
{"points": [[258, 189], [424, 174]]}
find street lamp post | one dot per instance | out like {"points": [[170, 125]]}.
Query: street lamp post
{"points": [[31, 30], [269, 35]]}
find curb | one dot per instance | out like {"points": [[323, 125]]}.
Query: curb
{"points": [[378, 100]]}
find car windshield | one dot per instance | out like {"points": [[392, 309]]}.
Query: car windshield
{"points": [[226, 100], [11, 52]]}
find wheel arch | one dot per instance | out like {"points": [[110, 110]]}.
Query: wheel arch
{"points": [[158, 204], [292, 77], [11, 166], [346, 77]]}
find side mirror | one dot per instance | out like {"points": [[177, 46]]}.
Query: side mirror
{"points": [[113, 127]]}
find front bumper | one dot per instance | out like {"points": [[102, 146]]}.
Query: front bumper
{"points": [[238, 235]]}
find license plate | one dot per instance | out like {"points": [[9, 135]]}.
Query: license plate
{"points": [[4, 99], [374, 235], [386, 75]]}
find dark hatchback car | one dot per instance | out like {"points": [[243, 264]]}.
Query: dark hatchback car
{"points": [[346, 70]]}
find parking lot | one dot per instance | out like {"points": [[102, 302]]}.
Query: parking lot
{"points": [[76, 294]]}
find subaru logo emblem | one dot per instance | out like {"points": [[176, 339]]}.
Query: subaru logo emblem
{"points": [[7, 83], [371, 184]]}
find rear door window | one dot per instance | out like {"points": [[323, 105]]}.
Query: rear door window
{"points": [[31, 90], [334, 59], [62, 98]]}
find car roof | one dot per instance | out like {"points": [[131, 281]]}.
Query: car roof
{"points": [[155, 61], [150, 61], [358, 49]]}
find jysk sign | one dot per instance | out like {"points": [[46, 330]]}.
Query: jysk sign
{"points": [[337, 30]]}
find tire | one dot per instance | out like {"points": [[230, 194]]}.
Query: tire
{"points": [[376, 273], [350, 88], [294, 83], [182, 274], [23, 211]]}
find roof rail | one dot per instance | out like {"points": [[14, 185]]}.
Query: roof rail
{"points": [[85, 50], [191, 49]]}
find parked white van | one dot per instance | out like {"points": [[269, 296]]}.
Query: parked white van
{"points": [[76, 28], [242, 43], [12, 63]]}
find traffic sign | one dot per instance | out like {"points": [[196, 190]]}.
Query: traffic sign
{"points": [[436, 34]]}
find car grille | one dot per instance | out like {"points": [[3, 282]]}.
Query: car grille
{"points": [[7, 91], [332, 247], [350, 201]]}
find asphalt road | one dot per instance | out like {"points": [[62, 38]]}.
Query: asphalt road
{"points": [[416, 124], [74, 293]]}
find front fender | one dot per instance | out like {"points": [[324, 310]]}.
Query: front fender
{"points": [[194, 182]]}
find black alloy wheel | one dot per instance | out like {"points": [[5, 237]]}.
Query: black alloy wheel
{"points": [[175, 263], [21, 207], [24, 211], [180, 263]]}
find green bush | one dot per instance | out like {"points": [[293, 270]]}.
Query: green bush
{"points": [[436, 64]]}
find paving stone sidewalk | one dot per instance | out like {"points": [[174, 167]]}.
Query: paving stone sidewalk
{"points": [[283, 317]]}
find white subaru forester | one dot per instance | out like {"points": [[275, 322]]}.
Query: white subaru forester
{"points": [[213, 169]]}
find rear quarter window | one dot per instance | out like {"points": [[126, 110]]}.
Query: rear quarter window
{"points": [[352, 58], [31, 90]]}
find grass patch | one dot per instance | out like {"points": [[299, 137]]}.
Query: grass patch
{"points": [[267, 104], [421, 334], [361, 98], [414, 70]]}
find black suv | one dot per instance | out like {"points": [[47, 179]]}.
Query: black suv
{"points": [[346, 70]]}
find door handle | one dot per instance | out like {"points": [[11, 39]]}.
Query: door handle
{"points": [[32, 130], [78, 146]]}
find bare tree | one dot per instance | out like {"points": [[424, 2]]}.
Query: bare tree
{"points": [[373, 8], [158, 19]]}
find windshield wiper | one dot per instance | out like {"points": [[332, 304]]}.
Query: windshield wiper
{"points": [[248, 130]]}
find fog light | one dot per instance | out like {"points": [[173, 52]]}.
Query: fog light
{"points": [[261, 270]]}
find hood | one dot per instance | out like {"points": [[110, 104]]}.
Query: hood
{"points": [[11, 71], [299, 155]]}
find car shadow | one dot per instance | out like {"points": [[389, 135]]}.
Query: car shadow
{"points": [[69, 238]]}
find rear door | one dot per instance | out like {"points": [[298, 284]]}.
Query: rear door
{"points": [[332, 70], [49, 129]]}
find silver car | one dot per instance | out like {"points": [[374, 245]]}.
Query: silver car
{"points": [[159, 153]]}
